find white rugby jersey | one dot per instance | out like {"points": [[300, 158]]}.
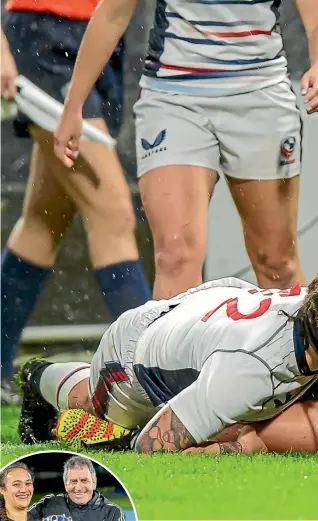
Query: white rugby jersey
{"points": [[217, 354], [225, 355], [214, 47]]}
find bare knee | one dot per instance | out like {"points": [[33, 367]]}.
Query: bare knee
{"points": [[111, 234], [122, 221], [179, 253], [276, 268], [117, 221]]}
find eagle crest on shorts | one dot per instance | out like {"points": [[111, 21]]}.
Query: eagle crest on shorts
{"points": [[159, 139], [287, 146]]}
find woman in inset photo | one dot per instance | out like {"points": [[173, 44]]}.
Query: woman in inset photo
{"points": [[16, 491]]}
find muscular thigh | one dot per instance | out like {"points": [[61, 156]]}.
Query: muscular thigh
{"points": [[260, 146], [176, 200], [177, 158], [96, 184], [269, 212], [296, 429], [46, 203]]}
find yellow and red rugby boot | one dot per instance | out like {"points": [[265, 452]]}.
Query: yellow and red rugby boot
{"points": [[79, 429]]}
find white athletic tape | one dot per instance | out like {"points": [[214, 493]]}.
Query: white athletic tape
{"points": [[45, 111]]}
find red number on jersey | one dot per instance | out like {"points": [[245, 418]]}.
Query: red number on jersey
{"points": [[232, 304], [291, 292], [233, 312], [295, 291]]}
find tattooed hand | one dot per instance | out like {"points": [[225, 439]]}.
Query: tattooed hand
{"points": [[165, 433], [229, 447]]}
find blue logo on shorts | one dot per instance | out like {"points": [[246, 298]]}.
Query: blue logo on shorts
{"points": [[159, 139], [154, 147]]}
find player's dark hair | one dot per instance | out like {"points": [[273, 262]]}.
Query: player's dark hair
{"points": [[308, 314], [3, 476], [3, 513]]}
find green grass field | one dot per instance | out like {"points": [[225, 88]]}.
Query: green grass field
{"points": [[175, 486]]}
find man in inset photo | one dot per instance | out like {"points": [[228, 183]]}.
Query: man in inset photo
{"points": [[81, 501], [16, 491]]}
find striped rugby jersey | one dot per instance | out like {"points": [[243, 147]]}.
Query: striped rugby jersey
{"points": [[215, 47]]}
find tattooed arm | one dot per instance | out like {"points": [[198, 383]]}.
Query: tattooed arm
{"points": [[164, 432], [167, 433], [218, 398], [247, 442], [228, 447]]}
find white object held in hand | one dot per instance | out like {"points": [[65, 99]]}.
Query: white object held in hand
{"points": [[45, 111]]}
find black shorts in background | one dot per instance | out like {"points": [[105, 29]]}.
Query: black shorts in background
{"points": [[45, 47]]}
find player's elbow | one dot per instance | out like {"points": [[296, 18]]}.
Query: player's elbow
{"points": [[142, 445]]}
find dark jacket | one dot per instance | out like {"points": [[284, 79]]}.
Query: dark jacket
{"points": [[62, 508]]}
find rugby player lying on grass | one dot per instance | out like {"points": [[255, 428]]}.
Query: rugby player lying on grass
{"points": [[294, 430], [182, 370]]}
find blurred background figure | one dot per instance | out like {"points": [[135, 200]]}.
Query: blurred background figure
{"points": [[41, 42], [16, 491]]}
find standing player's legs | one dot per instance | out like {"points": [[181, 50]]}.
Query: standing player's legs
{"points": [[52, 196], [176, 199], [102, 197], [98, 188], [261, 158], [177, 178], [46, 214], [269, 211], [30, 253]]}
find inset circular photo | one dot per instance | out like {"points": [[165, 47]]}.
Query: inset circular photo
{"points": [[62, 486]]}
